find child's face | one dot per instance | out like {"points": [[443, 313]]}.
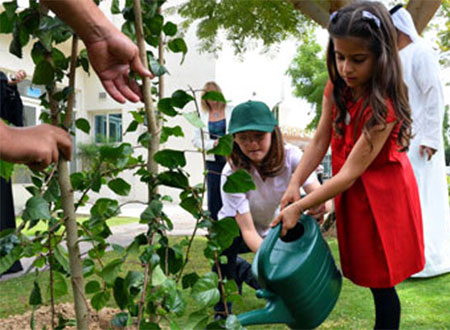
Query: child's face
{"points": [[355, 62], [254, 144]]}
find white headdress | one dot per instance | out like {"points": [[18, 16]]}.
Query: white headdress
{"points": [[403, 21]]}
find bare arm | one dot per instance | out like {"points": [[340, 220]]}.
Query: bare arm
{"points": [[36, 146], [361, 156], [248, 230], [111, 53], [313, 155]]}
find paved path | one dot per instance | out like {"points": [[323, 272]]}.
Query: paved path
{"points": [[183, 223]]}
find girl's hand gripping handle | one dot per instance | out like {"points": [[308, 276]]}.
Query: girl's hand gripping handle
{"points": [[291, 195]]}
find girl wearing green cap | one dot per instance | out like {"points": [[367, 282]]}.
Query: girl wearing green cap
{"points": [[258, 147]]}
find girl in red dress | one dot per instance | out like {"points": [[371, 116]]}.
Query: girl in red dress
{"points": [[366, 118]]}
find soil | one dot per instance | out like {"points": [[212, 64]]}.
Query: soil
{"points": [[42, 317]]}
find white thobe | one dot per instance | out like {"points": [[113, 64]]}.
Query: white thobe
{"points": [[421, 75]]}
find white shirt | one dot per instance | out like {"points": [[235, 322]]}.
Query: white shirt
{"points": [[263, 203]]}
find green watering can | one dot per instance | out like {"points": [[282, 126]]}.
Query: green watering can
{"points": [[298, 277]]}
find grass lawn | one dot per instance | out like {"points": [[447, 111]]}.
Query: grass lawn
{"points": [[41, 226], [425, 302]]}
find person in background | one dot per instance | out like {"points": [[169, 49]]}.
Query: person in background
{"points": [[426, 152], [367, 120], [259, 148], [215, 115], [11, 110]]}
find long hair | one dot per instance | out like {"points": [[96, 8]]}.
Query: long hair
{"points": [[371, 22], [211, 86], [272, 164]]}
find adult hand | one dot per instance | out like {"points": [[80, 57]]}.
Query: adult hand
{"points": [[17, 78], [38, 146], [426, 152], [112, 57], [291, 195], [289, 218]]}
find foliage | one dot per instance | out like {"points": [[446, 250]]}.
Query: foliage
{"points": [[242, 21], [444, 32], [309, 76]]}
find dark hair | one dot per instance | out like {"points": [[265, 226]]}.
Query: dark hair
{"points": [[371, 22], [272, 164]]}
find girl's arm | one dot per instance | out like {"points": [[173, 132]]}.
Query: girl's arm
{"points": [[313, 155], [248, 231], [361, 156]]}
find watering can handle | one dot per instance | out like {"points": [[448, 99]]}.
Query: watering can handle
{"points": [[267, 247]]}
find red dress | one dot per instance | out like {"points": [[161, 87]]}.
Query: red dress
{"points": [[379, 221]]}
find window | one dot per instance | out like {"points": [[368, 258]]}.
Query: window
{"points": [[108, 128]]}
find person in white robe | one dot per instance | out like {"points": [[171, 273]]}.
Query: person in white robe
{"points": [[426, 152]]}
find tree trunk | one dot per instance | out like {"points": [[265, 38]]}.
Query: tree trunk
{"points": [[76, 267], [152, 124], [422, 11]]}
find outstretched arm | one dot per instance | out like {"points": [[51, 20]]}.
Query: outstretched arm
{"points": [[361, 156], [248, 230], [36, 146], [313, 155], [111, 53]]}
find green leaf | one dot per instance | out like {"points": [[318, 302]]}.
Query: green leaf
{"points": [[92, 287], [155, 24], [6, 169], [78, 181], [59, 285], [36, 208], [152, 211], [105, 208], [170, 158], [192, 205], [239, 182], [99, 300], [224, 232], [194, 119], [233, 323], [197, 320], [44, 73], [224, 147], [205, 290], [165, 106], [35, 296], [10, 8], [120, 293], [59, 59], [170, 131], [115, 7], [61, 256], [214, 96], [6, 23], [178, 45], [132, 127], [144, 139], [7, 261], [180, 98], [134, 282], [52, 194], [157, 68], [15, 46], [189, 280], [170, 29], [111, 271], [83, 125], [173, 179], [158, 277], [120, 187], [121, 320]]}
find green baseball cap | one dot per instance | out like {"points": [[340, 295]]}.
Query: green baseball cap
{"points": [[251, 116]]}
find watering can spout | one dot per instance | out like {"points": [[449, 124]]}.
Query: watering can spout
{"points": [[275, 311]]}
